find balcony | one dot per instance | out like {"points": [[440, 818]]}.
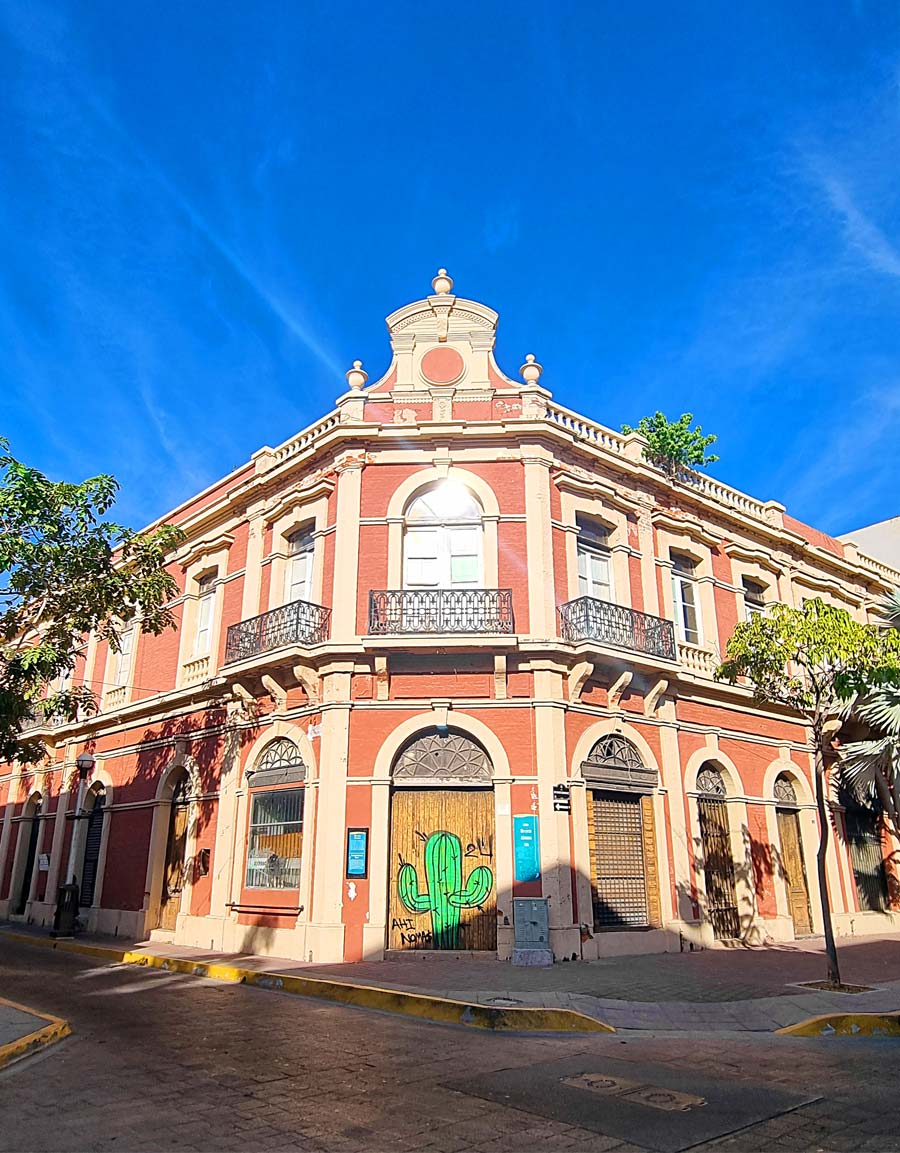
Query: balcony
{"points": [[297, 623], [436, 612], [589, 619]]}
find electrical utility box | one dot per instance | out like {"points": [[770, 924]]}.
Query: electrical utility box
{"points": [[531, 920]]}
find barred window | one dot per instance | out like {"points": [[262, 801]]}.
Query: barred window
{"points": [[276, 839]]}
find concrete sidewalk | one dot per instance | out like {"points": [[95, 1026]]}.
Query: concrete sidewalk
{"points": [[755, 990], [22, 1031]]}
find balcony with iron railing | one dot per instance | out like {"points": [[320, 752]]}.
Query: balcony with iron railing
{"points": [[433, 612], [590, 619], [297, 623]]}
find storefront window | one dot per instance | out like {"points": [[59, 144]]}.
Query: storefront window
{"points": [[276, 839]]}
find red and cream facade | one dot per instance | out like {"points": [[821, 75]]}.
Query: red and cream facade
{"points": [[450, 646]]}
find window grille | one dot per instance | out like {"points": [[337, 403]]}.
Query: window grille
{"points": [[785, 793], [867, 859], [280, 763], [620, 890], [617, 763], [276, 840]]}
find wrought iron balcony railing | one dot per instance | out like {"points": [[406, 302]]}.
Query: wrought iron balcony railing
{"points": [[589, 619], [297, 623], [436, 611]]}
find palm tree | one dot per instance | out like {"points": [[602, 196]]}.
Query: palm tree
{"points": [[871, 768]]}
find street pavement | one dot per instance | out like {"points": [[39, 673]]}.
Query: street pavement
{"points": [[169, 1062]]}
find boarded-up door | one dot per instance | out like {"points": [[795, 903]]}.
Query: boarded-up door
{"points": [[794, 870], [443, 892], [718, 869]]}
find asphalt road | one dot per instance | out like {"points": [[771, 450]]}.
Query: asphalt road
{"points": [[166, 1062]]}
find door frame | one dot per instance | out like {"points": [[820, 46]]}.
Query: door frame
{"points": [[412, 785], [809, 839], [375, 931]]}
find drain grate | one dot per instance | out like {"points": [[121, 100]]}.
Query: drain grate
{"points": [[654, 1096]]}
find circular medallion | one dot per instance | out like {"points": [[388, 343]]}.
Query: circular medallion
{"points": [[442, 365]]}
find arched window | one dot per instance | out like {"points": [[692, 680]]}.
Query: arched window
{"points": [[275, 839], [718, 863], [621, 836], [442, 546], [298, 573]]}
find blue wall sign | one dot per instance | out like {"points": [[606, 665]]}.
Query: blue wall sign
{"points": [[357, 852], [527, 848]]}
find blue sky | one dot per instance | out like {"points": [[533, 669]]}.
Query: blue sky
{"points": [[206, 211]]}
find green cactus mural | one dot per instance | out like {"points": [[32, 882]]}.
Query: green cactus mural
{"points": [[444, 894]]}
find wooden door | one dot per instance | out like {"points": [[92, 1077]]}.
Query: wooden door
{"points": [[443, 890], [176, 846], [794, 870], [33, 831], [718, 869]]}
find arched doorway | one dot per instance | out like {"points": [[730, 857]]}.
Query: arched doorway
{"points": [[176, 847], [718, 862], [793, 867], [30, 835], [442, 891], [621, 836], [93, 840]]}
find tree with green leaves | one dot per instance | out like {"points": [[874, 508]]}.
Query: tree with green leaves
{"points": [[66, 571], [673, 445], [813, 660], [870, 768]]}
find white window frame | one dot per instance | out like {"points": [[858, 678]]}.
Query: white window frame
{"points": [[449, 536], [685, 597], [258, 876], [301, 550], [754, 605], [206, 610], [124, 657], [590, 547]]}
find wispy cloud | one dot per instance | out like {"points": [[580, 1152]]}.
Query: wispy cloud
{"points": [[862, 234]]}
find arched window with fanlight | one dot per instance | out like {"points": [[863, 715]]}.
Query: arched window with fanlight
{"points": [[442, 545], [275, 835], [625, 884]]}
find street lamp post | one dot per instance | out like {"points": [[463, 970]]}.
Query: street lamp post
{"points": [[85, 765]]}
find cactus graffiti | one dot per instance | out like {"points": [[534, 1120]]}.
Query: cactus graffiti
{"points": [[444, 895]]}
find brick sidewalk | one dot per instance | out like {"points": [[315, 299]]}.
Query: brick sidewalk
{"points": [[710, 991]]}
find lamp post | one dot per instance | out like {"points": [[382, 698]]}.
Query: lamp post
{"points": [[85, 765]]}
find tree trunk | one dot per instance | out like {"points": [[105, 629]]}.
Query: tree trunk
{"points": [[834, 973]]}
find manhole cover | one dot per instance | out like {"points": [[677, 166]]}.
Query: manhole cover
{"points": [[655, 1096]]}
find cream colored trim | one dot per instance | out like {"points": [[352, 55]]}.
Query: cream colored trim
{"points": [[539, 544], [612, 516], [192, 667]]}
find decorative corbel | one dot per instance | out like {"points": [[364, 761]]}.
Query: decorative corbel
{"points": [[618, 688], [579, 675], [653, 698], [309, 680], [278, 692]]}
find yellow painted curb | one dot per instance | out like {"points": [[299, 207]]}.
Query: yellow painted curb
{"points": [[55, 1029], [420, 1005], [846, 1025]]}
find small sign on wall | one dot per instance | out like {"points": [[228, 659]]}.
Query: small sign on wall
{"points": [[357, 852], [44, 863], [562, 802], [527, 848]]}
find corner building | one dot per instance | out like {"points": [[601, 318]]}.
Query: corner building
{"points": [[452, 645]]}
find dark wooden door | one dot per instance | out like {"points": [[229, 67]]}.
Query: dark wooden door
{"points": [[718, 869], [443, 892], [867, 859], [33, 833], [794, 870], [92, 840], [176, 846]]}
